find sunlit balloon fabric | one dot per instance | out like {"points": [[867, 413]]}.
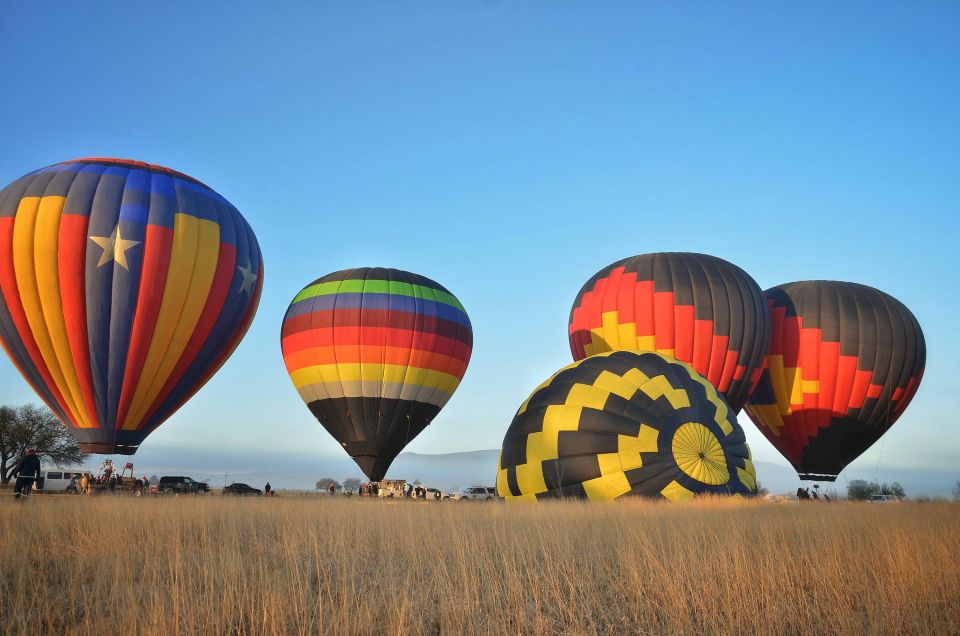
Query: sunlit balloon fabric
{"points": [[123, 287], [693, 307], [621, 423], [375, 353], [845, 360]]}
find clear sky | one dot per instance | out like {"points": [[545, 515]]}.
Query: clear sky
{"points": [[509, 151]]}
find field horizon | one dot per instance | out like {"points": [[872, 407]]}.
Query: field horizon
{"points": [[193, 565]]}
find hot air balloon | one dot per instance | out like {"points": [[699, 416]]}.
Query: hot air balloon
{"points": [[124, 286], [375, 353], [696, 308], [625, 422], [844, 362]]}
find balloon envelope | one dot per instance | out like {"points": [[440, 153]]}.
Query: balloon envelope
{"points": [[123, 287], [621, 423], [375, 354], [696, 308], [844, 362]]}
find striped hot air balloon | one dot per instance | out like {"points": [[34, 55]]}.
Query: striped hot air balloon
{"points": [[844, 362], [625, 423], [124, 286], [696, 308], [375, 354]]}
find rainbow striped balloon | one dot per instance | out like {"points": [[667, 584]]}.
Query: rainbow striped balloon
{"points": [[124, 286], [375, 353]]}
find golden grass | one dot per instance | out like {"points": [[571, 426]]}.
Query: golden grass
{"points": [[347, 566]]}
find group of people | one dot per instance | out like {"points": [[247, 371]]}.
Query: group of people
{"points": [[804, 494]]}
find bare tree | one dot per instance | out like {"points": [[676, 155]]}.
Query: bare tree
{"points": [[36, 427]]}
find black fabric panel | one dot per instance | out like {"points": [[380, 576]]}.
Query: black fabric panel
{"points": [[372, 440]]}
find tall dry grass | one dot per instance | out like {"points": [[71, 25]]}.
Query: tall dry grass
{"points": [[218, 566]]}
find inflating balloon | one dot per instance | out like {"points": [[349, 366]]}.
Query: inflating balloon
{"points": [[623, 423], [696, 308], [844, 362], [124, 286], [375, 354]]}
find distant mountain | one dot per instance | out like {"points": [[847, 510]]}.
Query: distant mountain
{"points": [[448, 471]]}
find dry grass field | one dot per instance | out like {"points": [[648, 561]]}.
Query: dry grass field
{"points": [[208, 565]]}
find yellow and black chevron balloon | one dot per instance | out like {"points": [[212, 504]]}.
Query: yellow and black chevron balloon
{"points": [[625, 422]]}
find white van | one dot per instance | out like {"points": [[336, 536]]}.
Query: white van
{"points": [[58, 480]]}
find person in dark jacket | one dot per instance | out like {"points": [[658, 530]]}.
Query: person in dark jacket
{"points": [[28, 470]]}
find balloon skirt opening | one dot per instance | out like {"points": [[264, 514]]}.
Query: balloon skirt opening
{"points": [[816, 477], [107, 449]]}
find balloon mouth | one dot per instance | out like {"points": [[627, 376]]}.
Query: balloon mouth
{"points": [[817, 477], [108, 449]]}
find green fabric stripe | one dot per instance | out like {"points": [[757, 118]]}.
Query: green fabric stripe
{"points": [[378, 287]]}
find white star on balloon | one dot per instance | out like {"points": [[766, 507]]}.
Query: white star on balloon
{"points": [[249, 280], [114, 248]]}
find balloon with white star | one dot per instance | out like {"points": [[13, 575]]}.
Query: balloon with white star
{"points": [[123, 287]]}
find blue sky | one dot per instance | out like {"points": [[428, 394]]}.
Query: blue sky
{"points": [[509, 151]]}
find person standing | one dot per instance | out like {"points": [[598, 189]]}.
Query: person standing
{"points": [[267, 492], [27, 472]]}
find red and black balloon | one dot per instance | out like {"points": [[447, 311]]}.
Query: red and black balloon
{"points": [[696, 308], [844, 362]]}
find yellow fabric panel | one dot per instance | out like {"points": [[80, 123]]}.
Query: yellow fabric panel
{"points": [[24, 265], [675, 492], [46, 259], [636, 377], [559, 417], [607, 487], [794, 379], [748, 476], [768, 415], [355, 372], [200, 281], [530, 478], [644, 442], [659, 385], [810, 386], [667, 352], [627, 334], [610, 333], [503, 488], [613, 383], [609, 463], [587, 396], [527, 497], [778, 381], [646, 343]]}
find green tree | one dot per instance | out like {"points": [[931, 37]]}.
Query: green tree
{"points": [[36, 427], [956, 491], [861, 490], [897, 491], [351, 484], [324, 483]]}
